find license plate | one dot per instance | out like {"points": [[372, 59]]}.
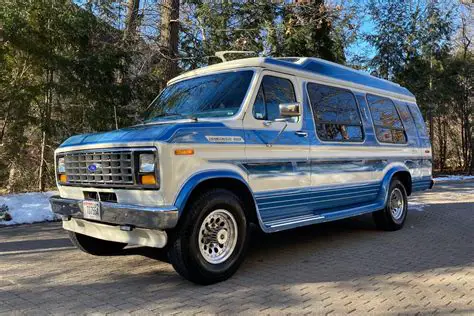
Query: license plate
{"points": [[91, 210]]}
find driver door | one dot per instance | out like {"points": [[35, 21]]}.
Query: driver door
{"points": [[277, 151]]}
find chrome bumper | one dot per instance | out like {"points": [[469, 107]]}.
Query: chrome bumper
{"points": [[163, 217], [138, 236]]}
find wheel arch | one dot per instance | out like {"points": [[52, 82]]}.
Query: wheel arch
{"points": [[397, 172], [223, 179]]}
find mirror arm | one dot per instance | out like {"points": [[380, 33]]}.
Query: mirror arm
{"points": [[270, 144]]}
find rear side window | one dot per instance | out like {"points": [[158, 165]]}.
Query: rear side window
{"points": [[407, 119], [273, 91], [387, 122], [419, 122], [335, 113]]}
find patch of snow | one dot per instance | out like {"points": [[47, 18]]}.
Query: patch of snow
{"points": [[26, 208], [416, 206], [453, 178]]}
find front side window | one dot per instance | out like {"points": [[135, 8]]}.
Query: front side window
{"points": [[335, 113], [273, 91], [215, 95], [387, 122]]}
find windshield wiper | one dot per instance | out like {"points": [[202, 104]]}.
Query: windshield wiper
{"points": [[166, 114]]}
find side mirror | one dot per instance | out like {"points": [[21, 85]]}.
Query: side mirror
{"points": [[288, 110]]}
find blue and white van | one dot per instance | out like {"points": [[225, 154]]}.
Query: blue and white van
{"points": [[266, 142]]}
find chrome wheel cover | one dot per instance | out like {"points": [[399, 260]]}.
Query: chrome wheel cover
{"points": [[217, 236], [397, 204]]}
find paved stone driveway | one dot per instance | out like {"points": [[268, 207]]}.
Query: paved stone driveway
{"points": [[336, 268]]}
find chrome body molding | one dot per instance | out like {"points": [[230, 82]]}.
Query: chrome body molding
{"points": [[137, 236], [162, 217]]}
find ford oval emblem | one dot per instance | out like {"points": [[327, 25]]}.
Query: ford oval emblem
{"points": [[93, 167]]}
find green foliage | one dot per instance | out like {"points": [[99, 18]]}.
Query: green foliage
{"points": [[4, 215], [414, 47], [67, 69], [60, 65]]}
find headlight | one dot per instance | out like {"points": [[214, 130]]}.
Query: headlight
{"points": [[61, 165], [147, 163]]}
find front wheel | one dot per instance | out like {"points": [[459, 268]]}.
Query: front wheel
{"points": [[211, 241], [393, 216]]}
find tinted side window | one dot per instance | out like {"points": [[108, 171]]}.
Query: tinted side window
{"points": [[273, 91], [419, 122], [388, 126], [407, 119], [336, 113]]}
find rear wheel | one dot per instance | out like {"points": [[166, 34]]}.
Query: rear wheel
{"points": [[95, 246], [393, 216], [210, 243]]}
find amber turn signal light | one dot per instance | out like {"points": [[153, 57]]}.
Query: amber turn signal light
{"points": [[184, 151], [62, 178], [148, 179]]}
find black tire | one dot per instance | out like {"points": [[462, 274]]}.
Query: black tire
{"points": [[184, 253], [385, 219], [95, 246]]}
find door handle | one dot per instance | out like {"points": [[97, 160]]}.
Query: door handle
{"points": [[301, 134]]}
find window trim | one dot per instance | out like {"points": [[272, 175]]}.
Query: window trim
{"points": [[384, 126], [358, 142], [260, 85]]}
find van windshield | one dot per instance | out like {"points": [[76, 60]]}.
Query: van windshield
{"points": [[215, 95]]}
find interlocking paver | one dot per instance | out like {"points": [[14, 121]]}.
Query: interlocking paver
{"points": [[346, 267]]}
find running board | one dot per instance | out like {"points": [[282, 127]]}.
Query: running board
{"points": [[298, 221]]}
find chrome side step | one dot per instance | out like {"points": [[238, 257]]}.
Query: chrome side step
{"points": [[294, 220], [298, 221]]}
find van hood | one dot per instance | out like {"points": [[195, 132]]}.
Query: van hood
{"points": [[138, 133]]}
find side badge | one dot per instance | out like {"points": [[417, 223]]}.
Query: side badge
{"points": [[224, 139]]}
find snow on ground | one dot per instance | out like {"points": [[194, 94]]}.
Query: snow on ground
{"points": [[453, 178], [416, 206], [26, 208]]}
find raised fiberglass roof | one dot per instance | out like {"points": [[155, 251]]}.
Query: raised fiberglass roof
{"points": [[336, 71], [310, 65]]}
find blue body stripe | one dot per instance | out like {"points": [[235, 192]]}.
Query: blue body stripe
{"points": [[286, 204], [421, 184]]}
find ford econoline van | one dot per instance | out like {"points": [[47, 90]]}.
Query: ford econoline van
{"points": [[266, 142]]}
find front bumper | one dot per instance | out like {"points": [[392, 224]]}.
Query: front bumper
{"points": [[163, 217]]}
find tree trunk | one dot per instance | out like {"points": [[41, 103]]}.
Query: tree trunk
{"points": [[441, 144], [471, 168], [41, 166], [169, 29], [45, 124], [11, 178], [132, 20], [4, 127]]}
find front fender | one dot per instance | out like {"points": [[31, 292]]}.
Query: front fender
{"points": [[192, 182]]}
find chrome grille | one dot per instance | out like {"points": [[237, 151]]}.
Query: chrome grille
{"points": [[115, 168]]}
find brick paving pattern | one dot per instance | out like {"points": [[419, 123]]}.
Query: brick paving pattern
{"points": [[345, 267]]}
